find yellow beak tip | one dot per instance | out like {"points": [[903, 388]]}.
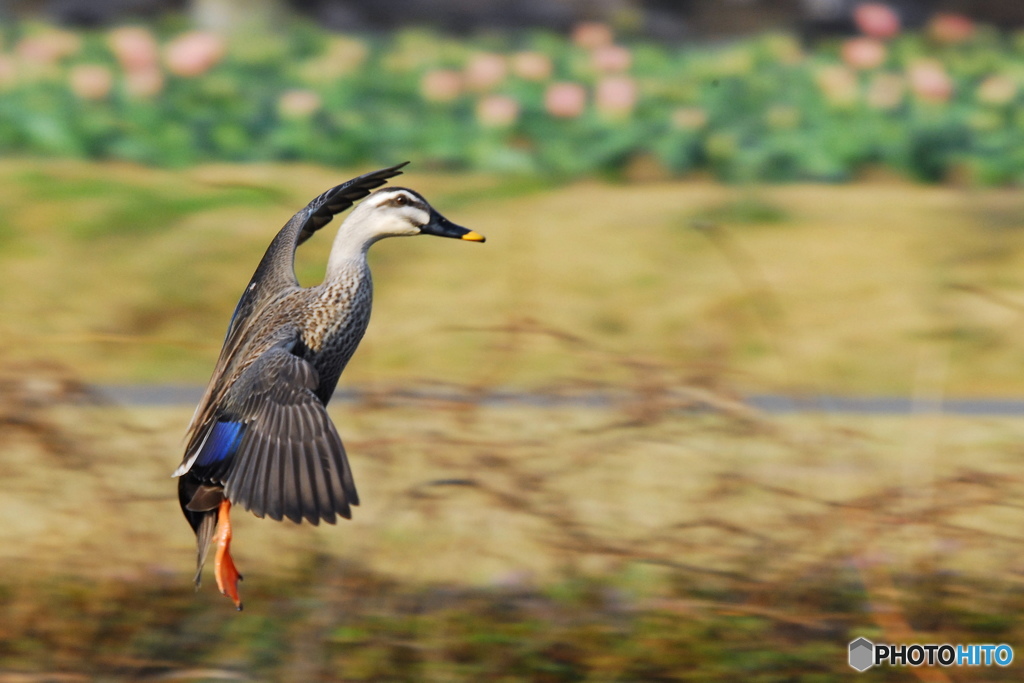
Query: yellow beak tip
{"points": [[472, 236]]}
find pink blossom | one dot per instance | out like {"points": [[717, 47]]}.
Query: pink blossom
{"points": [[298, 104], [343, 56], [951, 29], [592, 34], [144, 82], [838, 83], [90, 81], [929, 81], [497, 111], [531, 66], [565, 100], [32, 49], [8, 71], [441, 85], [346, 54], [484, 71], [876, 19], [48, 47], [689, 118], [611, 59], [615, 95], [864, 53], [135, 47], [885, 91], [193, 53]]}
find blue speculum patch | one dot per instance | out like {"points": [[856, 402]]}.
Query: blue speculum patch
{"points": [[222, 443]]}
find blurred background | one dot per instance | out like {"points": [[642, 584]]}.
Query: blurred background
{"points": [[734, 380]]}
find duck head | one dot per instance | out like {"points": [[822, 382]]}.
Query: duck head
{"points": [[399, 211]]}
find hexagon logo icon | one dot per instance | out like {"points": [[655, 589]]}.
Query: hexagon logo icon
{"points": [[862, 654]]}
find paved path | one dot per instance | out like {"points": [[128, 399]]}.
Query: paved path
{"points": [[172, 395]]}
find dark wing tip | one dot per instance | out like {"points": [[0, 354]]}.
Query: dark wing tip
{"points": [[321, 210]]}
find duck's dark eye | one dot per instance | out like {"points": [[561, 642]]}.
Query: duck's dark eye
{"points": [[401, 200]]}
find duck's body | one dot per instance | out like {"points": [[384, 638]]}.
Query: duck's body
{"points": [[328, 322], [261, 437]]}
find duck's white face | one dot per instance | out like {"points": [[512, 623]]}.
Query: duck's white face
{"points": [[396, 211]]}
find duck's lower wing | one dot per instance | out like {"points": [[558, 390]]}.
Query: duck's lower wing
{"points": [[283, 457]]}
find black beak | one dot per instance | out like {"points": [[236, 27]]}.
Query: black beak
{"points": [[442, 227]]}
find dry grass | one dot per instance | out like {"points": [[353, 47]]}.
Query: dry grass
{"points": [[130, 274], [457, 492], [635, 541]]}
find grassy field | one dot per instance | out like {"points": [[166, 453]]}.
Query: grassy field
{"points": [[128, 274], [630, 543], [641, 540]]}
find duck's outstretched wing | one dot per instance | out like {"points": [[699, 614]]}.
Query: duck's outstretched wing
{"points": [[272, 446], [276, 273]]}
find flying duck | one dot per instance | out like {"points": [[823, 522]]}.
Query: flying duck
{"points": [[261, 437]]}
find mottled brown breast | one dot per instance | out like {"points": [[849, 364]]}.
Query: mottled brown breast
{"points": [[334, 319]]}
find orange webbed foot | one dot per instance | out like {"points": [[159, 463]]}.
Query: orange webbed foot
{"points": [[224, 567]]}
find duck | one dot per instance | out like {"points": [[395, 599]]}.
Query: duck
{"points": [[261, 437]]}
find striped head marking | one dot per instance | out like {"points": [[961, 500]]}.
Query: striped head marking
{"points": [[398, 211]]}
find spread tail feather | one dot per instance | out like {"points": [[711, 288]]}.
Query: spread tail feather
{"points": [[200, 503], [204, 534]]}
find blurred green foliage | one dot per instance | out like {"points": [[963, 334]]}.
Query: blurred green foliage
{"points": [[764, 108], [337, 622], [341, 623]]}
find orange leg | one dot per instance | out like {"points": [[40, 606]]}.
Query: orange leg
{"points": [[223, 566]]}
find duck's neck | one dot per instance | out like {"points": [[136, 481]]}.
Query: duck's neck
{"points": [[349, 249], [343, 260]]}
